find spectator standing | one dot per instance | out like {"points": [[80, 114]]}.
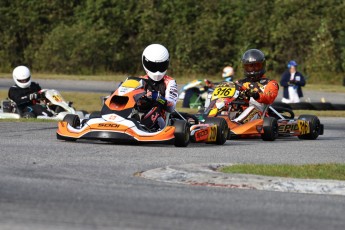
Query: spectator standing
{"points": [[292, 81]]}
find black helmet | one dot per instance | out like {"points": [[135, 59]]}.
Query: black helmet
{"points": [[254, 64]]}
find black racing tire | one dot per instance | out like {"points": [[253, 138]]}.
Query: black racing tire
{"points": [[182, 133], [95, 114], [29, 115], [222, 129], [284, 111], [72, 119], [189, 95], [270, 128], [314, 127]]}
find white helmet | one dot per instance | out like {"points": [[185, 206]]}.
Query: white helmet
{"points": [[228, 71], [155, 60], [22, 76]]}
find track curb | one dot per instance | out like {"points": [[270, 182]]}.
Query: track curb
{"points": [[207, 175]]}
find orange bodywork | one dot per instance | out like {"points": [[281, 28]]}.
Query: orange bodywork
{"points": [[108, 127], [250, 128], [204, 132]]}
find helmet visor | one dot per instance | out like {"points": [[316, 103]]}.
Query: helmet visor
{"points": [[24, 80], [155, 66], [253, 67]]}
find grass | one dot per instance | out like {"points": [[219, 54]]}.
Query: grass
{"points": [[36, 76], [81, 101], [321, 113], [180, 79], [92, 102], [308, 171], [325, 88]]}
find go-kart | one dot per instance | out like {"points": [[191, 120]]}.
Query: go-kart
{"points": [[194, 93], [120, 121], [50, 98], [229, 100]]}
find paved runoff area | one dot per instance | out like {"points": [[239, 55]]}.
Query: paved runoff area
{"points": [[207, 175]]}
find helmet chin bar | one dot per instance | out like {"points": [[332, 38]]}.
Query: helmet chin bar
{"points": [[157, 76], [23, 85]]}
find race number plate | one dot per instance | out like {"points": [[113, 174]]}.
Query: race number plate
{"points": [[223, 92], [57, 98]]}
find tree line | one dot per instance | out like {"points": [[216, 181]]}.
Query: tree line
{"points": [[202, 36]]}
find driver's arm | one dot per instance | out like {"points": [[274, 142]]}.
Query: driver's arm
{"points": [[20, 96], [269, 94], [171, 95]]}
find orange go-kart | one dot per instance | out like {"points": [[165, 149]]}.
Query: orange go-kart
{"points": [[119, 121], [229, 100]]}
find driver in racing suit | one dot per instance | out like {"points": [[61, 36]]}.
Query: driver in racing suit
{"points": [[259, 90], [25, 93], [161, 90]]}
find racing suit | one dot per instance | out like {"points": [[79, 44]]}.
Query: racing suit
{"points": [[21, 96], [164, 96], [264, 92]]}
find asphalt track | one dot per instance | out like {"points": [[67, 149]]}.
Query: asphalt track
{"points": [[51, 184]]}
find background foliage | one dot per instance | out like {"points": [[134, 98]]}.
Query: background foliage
{"points": [[108, 36]]}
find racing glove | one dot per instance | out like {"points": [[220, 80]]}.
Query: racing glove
{"points": [[160, 100], [33, 96], [252, 93]]}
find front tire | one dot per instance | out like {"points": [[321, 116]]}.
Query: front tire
{"points": [[72, 119], [270, 128], [222, 129], [182, 133]]}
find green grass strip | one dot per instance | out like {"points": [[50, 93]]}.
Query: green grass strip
{"points": [[307, 171]]}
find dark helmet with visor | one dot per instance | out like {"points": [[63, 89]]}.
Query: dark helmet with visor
{"points": [[254, 64]]}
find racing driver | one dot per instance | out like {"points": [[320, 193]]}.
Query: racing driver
{"points": [[161, 90], [259, 90], [25, 93]]}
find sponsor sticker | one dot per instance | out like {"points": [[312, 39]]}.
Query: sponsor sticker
{"points": [[213, 134], [303, 127]]}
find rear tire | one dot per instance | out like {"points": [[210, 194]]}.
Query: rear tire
{"points": [[314, 127], [222, 129], [182, 133], [270, 128], [72, 119]]}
